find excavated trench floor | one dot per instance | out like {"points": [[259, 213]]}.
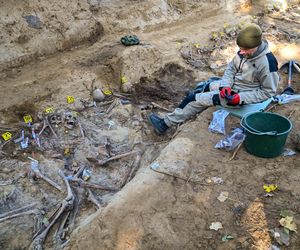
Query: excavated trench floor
{"points": [[75, 138]]}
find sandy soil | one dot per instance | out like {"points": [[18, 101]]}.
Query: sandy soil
{"points": [[170, 210]]}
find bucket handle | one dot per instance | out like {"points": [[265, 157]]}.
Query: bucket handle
{"points": [[257, 132]]}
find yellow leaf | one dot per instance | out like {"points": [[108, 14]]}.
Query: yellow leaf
{"points": [[124, 80], [67, 151], [270, 188], [288, 222]]}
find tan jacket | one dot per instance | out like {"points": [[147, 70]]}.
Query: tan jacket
{"points": [[255, 79]]}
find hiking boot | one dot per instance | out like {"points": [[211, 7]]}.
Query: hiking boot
{"points": [[159, 125]]}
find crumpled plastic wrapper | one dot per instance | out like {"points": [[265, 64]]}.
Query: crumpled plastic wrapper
{"points": [[232, 140]]}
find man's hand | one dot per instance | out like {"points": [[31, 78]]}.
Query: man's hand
{"points": [[234, 100], [225, 91]]}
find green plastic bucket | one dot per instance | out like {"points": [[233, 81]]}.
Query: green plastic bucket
{"points": [[266, 133]]}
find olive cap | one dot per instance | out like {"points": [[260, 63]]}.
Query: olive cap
{"points": [[249, 37]]}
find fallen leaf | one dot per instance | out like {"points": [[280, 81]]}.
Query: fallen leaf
{"points": [[270, 188], [227, 237], [223, 196], [215, 226], [288, 222]]}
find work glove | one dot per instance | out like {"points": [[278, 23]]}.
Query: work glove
{"points": [[225, 91], [233, 100]]}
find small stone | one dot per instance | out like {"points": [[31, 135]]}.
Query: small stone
{"points": [[208, 181], [127, 87], [40, 116], [33, 21], [98, 95], [135, 123]]}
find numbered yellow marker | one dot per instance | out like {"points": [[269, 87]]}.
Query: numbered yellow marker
{"points": [[27, 119], [107, 92], [70, 99], [6, 136], [270, 188], [124, 80], [49, 110]]}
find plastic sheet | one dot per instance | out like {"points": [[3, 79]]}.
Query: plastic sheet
{"points": [[232, 140], [217, 125]]}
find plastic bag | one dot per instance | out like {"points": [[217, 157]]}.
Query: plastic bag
{"points": [[285, 98], [232, 140], [217, 125], [288, 152]]}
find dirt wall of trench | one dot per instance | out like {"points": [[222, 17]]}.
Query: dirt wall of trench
{"points": [[33, 29]]}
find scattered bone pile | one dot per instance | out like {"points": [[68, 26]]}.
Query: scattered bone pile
{"points": [[76, 152]]}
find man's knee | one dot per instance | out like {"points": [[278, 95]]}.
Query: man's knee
{"points": [[215, 85], [206, 99], [190, 97]]}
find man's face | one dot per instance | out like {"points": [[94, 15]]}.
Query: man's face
{"points": [[247, 53]]}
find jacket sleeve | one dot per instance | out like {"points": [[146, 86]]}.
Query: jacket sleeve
{"points": [[228, 77], [268, 86]]}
